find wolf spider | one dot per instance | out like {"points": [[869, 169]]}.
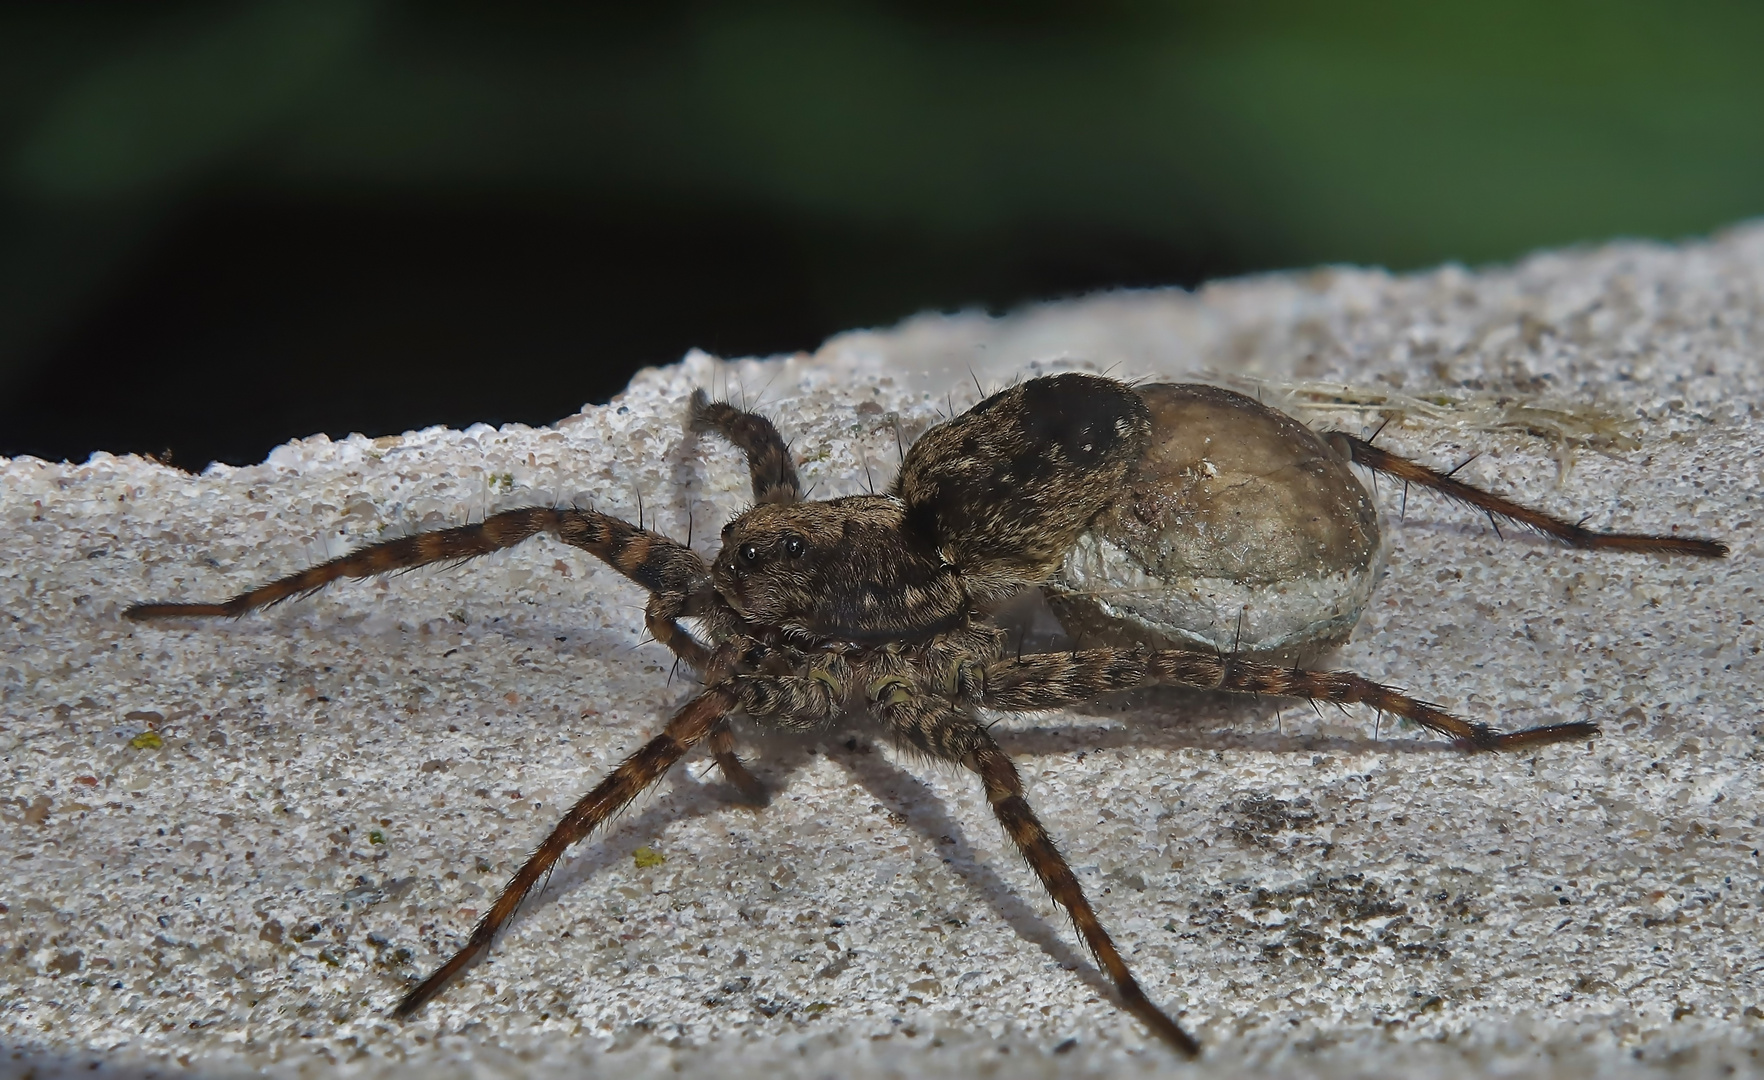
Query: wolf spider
{"points": [[881, 606]]}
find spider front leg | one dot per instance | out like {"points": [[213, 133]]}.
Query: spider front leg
{"points": [[1052, 680], [494, 533], [702, 716], [674, 575], [768, 459], [938, 728], [783, 701]]}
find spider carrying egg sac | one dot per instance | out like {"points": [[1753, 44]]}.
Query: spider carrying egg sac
{"points": [[1239, 530]]}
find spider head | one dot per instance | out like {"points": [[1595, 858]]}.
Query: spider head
{"points": [[846, 569]]}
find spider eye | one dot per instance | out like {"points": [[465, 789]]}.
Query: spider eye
{"points": [[794, 546], [748, 554]]}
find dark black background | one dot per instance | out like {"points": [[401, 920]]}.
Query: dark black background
{"points": [[222, 226]]}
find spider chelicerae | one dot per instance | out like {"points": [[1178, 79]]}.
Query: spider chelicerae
{"points": [[882, 608]]}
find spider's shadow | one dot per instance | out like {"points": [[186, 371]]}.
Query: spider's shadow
{"points": [[1160, 718], [1157, 718], [895, 787]]}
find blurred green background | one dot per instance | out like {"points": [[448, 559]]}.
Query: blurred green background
{"points": [[223, 225]]}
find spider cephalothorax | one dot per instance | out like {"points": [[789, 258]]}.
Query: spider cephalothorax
{"points": [[984, 506], [879, 608], [847, 569]]}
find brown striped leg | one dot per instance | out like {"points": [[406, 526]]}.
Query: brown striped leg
{"points": [[1409, 472], [405, 553], [936, 726], [689, 726], [768, 459], [1004, 790], [1050, 680], [672, 572]]}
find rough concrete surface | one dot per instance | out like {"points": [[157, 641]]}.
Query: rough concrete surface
{"points": [[228, 846]]}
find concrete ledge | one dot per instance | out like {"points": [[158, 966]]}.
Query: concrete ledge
{"points": [[228, 845]]}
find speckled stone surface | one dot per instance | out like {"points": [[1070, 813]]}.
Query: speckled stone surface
{"points": [[228, 846]]}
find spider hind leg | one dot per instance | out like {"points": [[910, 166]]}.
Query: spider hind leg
{"points": [[1052, 680], [1362, 452]]}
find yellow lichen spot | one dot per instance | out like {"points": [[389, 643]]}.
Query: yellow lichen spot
{"points": [[646, 857], [147, 740]]}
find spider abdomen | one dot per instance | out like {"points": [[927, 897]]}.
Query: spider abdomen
{"points": [[1237, 530]]}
